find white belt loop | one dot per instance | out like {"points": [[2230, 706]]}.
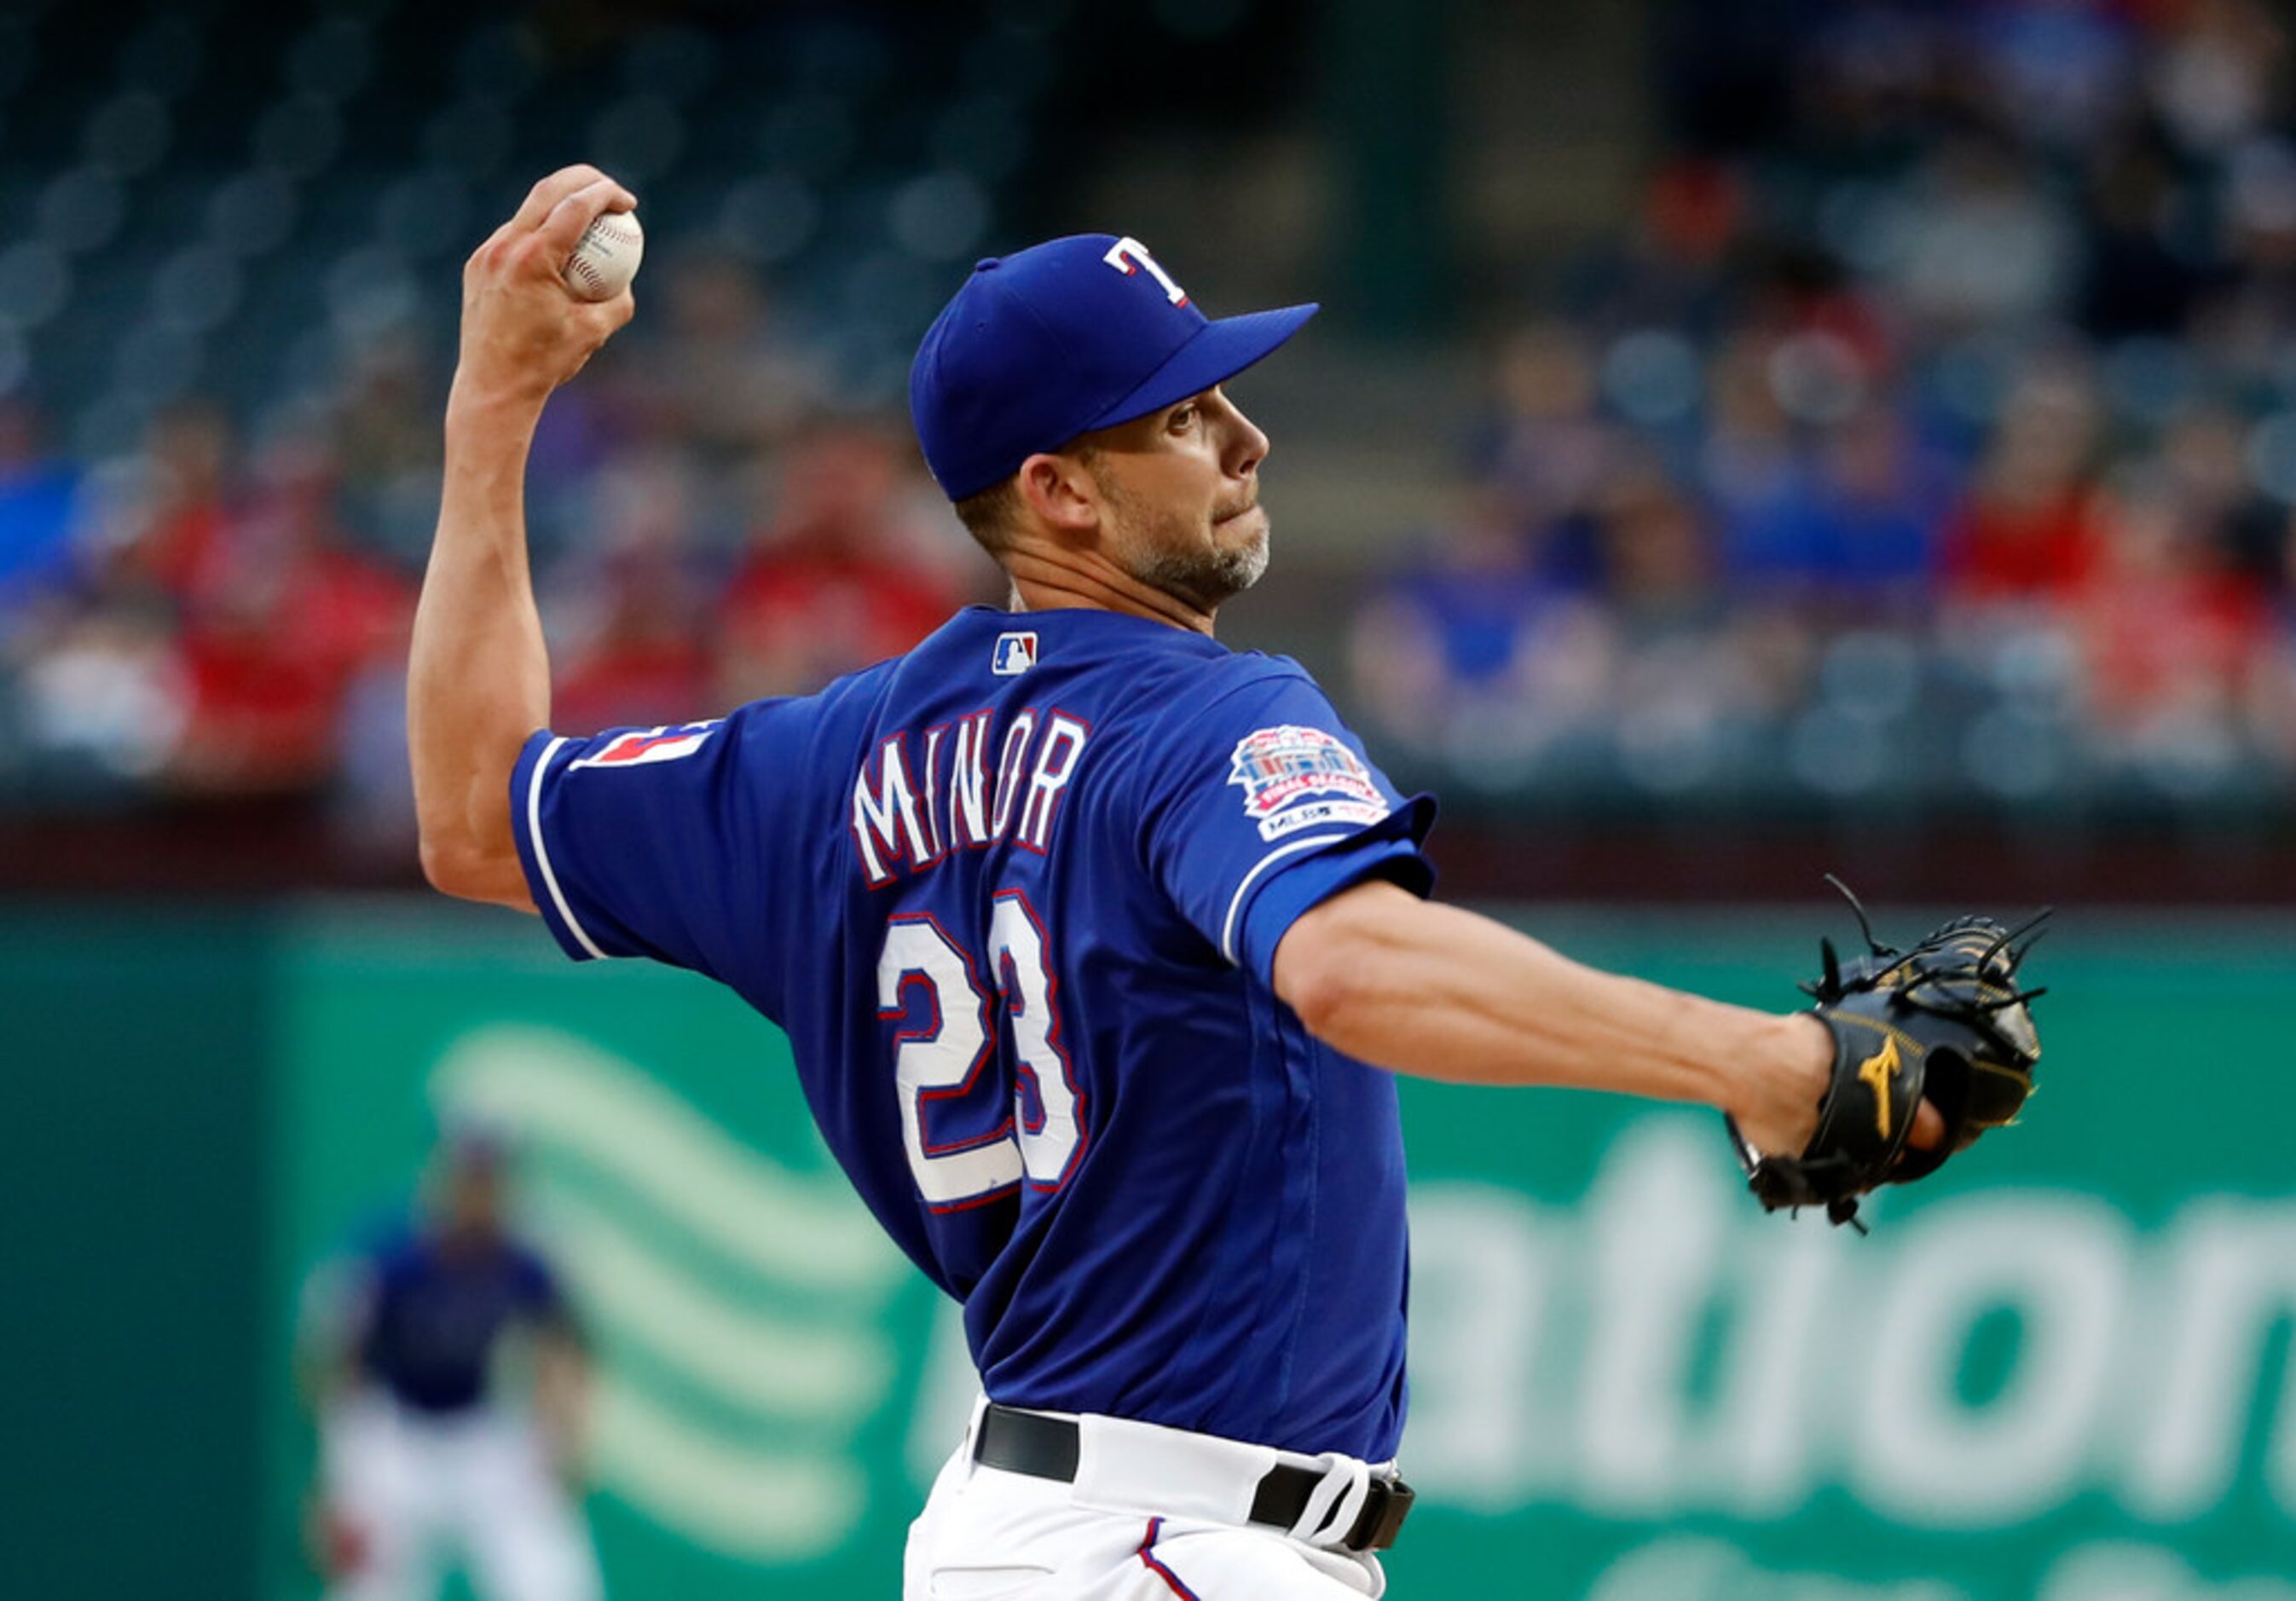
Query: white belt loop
{"points": [[1145, 1468], [1334, 1504], [972, 1432], [1151, 1470]]}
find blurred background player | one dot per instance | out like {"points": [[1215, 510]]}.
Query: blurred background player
{"points": [[431, 1449]]}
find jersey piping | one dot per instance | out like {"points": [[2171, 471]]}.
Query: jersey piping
{"points": [[1227, 926], [542, 850]]}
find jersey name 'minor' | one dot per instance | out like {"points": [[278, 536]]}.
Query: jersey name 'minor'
{"points": [[900, 824]]}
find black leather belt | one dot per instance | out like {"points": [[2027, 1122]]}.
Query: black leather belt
{"points": [[1048, 1447]]}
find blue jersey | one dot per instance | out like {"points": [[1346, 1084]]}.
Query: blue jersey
{"points": [[1014, 897], [429, 1317]]}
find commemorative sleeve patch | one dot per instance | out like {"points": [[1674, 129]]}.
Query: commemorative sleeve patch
{"points": [[1294, 778]]}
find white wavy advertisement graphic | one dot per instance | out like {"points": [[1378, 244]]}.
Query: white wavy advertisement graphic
{"points": [[736, 1305]]}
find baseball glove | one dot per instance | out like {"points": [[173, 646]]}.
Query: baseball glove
{"points": [[1945, 1020]]}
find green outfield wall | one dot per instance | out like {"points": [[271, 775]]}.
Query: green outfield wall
{"points": [[2059, 1371], [135, 1075]]}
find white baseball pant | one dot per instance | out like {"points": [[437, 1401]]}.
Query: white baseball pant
{"points": [[415, 1490], [1113, 1535]]}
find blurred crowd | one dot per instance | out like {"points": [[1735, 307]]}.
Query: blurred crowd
{"points": [[213, 614], [1930, 428], [1933, 428]]}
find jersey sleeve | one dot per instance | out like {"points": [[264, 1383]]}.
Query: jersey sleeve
{"points": [[1261, 804], [662, 842]]}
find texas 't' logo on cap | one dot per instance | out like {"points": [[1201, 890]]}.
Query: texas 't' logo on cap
{"points": [[1128, 256], [1062, 339]]}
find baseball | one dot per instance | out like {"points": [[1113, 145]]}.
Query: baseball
{"points": [[607, 257]]}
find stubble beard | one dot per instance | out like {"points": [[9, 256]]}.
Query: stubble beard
{"points": [[1163, 551]]}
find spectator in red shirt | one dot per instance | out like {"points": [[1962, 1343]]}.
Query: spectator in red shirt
{"points": [[2028, 533], [2169, 627], [630, 614], [643, 663], [280, 624], [171, 533], [829, 586]]}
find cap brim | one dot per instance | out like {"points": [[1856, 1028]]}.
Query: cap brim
{"points": [[1220, 350]]}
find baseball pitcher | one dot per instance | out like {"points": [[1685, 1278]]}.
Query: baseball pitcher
{"points": [[1097, 942]]}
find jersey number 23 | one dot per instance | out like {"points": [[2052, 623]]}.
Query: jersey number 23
{"points": [[941, 1055]]}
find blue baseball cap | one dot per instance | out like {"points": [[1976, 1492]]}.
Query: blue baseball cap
{"points": [[1059, 339]]}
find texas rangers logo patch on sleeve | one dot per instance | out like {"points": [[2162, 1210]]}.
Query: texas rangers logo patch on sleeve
{"points": [[643, 745], [1295, 778]]}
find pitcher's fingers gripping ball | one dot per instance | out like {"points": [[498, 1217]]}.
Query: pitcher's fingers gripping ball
{"points": [[606, 258], [525, 331], [1944, 1022]]}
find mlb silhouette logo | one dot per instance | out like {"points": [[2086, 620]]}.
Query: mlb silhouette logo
{"points": [[1016, 654]]}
